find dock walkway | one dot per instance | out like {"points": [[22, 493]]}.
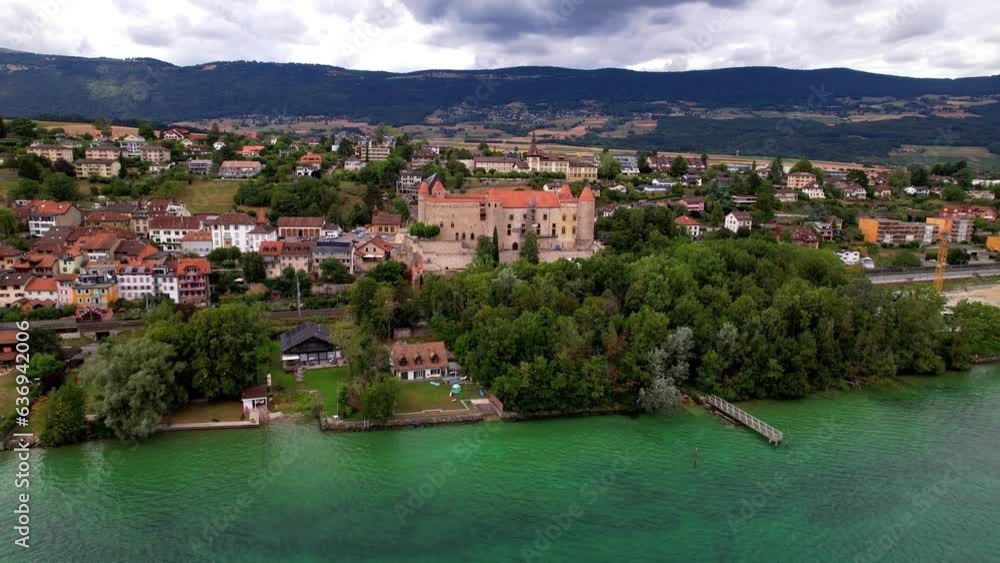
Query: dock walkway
{"points": [[773, 435]]}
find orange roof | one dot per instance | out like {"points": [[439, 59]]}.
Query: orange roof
{"points": [[47, 207], [200, 264], [564, 191], [686, 221], [197, 235], [271, 248], [587, 194], [41, 284]]}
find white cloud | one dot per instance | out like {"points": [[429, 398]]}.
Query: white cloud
{"points": [[906, 37]]}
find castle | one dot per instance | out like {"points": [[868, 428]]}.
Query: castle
{"points": [[561, 221]]}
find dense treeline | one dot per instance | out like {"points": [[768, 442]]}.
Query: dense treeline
{"points": [[742, 318]]}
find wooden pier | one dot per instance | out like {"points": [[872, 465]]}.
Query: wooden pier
{"points": [[737, 414]]}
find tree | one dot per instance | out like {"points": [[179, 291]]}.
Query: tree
{"points": [[421, 230], [900, 178], [776, 172], [252, 264], [919, 175], [65, 419], [957, 257], [3, 129], [858, 177], [136, 385], [23, 128], [146, 131], [8, 223], [61, 187], [484, 251], [228, 349], [529, 250], [379, 398], [43, 366], [704, 161], [28, 167], [496, 246], [334, 271], [906, 259], [660, 396], [679, 166], [802, 166], [390, 272], [954, 194], [609, 168], [44, 341]]}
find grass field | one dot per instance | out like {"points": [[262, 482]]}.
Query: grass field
{"points": [[8, 393], [979, 158], [328, 382], [6, 184], [419, 396], [209, 196]]}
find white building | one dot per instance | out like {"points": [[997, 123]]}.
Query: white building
{"points": [[132, 145], [738, 220], [232, 230], [849, 257], [168, 232]]}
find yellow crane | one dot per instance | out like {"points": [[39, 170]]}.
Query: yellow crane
{"points": [[944, 234]]}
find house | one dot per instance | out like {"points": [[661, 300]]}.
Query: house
{"points": [[199, 167], [823, 230], [983, 195], [917, 191], [814, 192], [279, 255], [414, 362], [240, 169], [231, 230], [94, 291], [250, 151], [385, 223], [300, 228], [308, 171], [132, 145], [197, 242], [691, 226], [8, 256], [193, 285], [408, 184], [97, 167], [13, 287], [46, 214], [501, 164], [799, 180], [167, 232], [969, 211], [261, 233], [739, 220], [802, 236], [353, 165], [52, 152], [692, 204], [154, 154], [692, 180], [371, 252], [849, 257], [107, 218], [8, 348], [218, 145], [308, 345], [744, 200], [883, 192], [618, 188], [853, 191], [311, 159], [574, 170], [629, 163], [103, 152], [339, 248], [41, 289], [175, 134], [252, 398], [423, 157], [786, 196]]}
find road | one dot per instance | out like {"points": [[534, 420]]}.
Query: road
{"points": [[70, 325], [928, 275]]}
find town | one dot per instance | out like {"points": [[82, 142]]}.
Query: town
{"points": [[355, 231]]}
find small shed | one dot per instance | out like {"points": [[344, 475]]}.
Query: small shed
{"points": [[254, 397]]}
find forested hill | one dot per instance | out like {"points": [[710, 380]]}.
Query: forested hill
{"points": [[32, 84]]}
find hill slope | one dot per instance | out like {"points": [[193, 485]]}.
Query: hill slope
{"points": [[32, 84]]}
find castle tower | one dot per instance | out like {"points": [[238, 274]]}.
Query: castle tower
{"points": [[422, 194], [585, 217]]}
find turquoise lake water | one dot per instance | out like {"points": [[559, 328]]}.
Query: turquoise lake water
{"points": [[908, 474]]}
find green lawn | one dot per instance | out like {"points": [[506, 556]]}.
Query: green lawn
{"points": [[6, 184], [209, 196], [419, 396], [8, 393], [328, 381]]}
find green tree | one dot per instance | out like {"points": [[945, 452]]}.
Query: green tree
{"points": [[776, 172], [28, 168], [919, 175], [253, 267], [334, 271], [379, 398], [906, 259], [496, 246], [802, 166], [679, 166], [957, 257], [954, 194], [529, 249], [146, 131], [42, 366], [421, 230], [61, 187], [899, 178], [136, 385], [858, 177], [484, 251], [228, 350], [8, 223], [65, 419]]}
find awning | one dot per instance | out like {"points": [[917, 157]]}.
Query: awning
{"points": [[290, 358]]}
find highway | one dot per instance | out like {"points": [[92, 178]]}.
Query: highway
{"points": [[927, 275], [71, 325]]}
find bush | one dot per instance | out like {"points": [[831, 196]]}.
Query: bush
{"points": [[65, 421]]}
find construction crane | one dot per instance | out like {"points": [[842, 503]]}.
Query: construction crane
{"points": [[944, 234]]}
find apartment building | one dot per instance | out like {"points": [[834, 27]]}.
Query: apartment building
{"points": [[892, 232]]}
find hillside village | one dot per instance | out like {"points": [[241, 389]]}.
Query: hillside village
{"points": [[108, 227]]}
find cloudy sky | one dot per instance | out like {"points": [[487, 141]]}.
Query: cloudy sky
{"points": [[939, 38]]}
